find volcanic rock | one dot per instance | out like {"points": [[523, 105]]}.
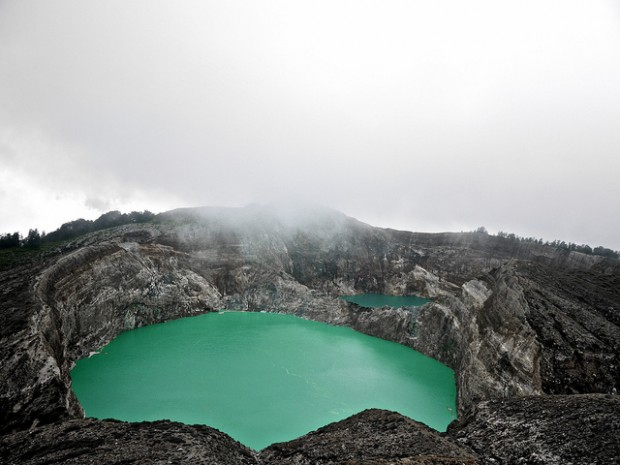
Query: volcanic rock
{"points": [[522, 324]]}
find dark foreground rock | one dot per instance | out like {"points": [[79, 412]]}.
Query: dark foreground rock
{"points": [[578, 429], [372, 436], [111, 442]]}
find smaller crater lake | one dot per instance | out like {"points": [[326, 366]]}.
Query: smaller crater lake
{"points": [[382, 300], [259, 377]]}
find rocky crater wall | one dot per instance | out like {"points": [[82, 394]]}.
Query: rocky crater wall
{"points": [[510, 322]]}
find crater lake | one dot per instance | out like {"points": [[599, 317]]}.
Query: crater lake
{"points": [[259, 377]]}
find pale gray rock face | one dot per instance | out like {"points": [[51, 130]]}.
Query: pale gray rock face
{"points": [[510, 319], [475, 293]]}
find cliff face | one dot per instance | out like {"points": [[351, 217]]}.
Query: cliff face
{"points": [[511, 319]]}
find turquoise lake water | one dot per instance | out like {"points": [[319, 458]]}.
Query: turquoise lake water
{"points": [[382, 300], [260, 377]]}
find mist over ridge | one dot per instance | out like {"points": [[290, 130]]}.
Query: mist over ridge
{"points": [[286, 217]]}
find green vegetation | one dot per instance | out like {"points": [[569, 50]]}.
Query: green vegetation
{"points": [[13, 256], [73, 229], [9, 240], [110, 219], [15, 249], [570, 246]]}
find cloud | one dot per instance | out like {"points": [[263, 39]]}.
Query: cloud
{"points": [[98, 204], [440, 115]]}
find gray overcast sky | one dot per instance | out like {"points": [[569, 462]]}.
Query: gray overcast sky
{"points": [[420, 115]]}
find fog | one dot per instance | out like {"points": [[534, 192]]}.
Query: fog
{"points": [[426, 116]]}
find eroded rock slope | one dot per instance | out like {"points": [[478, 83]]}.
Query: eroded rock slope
{"points": [[511, 319]]}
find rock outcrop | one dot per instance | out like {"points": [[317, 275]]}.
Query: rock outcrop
{"points": [[369, 437], [549, 430], [511, 319], [83, 441]]}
